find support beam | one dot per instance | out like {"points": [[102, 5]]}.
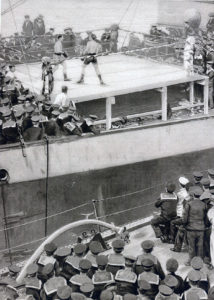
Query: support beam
{"points": [[206, 96], [164, 103], [191, 92], [109, 102]]}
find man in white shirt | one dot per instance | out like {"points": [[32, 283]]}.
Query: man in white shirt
{"points": [[60, 57], [176, 226], [92, 49], [63, 101]]}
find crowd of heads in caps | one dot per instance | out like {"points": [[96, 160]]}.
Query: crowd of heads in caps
{"points": [[30, 116], [87, 271]]}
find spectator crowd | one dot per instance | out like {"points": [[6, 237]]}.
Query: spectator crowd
{"points": [[85, 271], [26, 116]]}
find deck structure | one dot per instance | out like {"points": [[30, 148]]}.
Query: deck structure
{"points": [[123, 75]]}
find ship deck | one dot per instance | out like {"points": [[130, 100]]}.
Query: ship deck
{"points": [[122, 74]]}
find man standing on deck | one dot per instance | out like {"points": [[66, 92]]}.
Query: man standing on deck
{"points": [[92, 49], [60, 57]]}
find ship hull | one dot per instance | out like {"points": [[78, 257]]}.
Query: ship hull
{"points": [[125, 174]]}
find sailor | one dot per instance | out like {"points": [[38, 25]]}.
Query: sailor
{"points": [[165, 292], [91, 51], [32, 270], [50, 287], [60, 57], [33, 287], [101, 277], [106, 295], [35, 132], [105, 40], [171, 267], [10, 131], [116, 260], [197, 176], [150, 276], [198, 265], [78, 296], [144, 290], [194, 220], [60, 254], [46, 272], [47, 259], [94, 249], [126, 279], [27, 28], [194, 278], [87, 289], [168, 205], [77, 280], [64, 293], [147, 247], [171, 282], [206, 199], [176, 226]]}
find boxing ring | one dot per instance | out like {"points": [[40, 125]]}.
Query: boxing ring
{"points": [[123, 74]]}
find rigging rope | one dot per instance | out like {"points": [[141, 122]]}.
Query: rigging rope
{"points": [[14, 5], [135, 11], [129, 5]]}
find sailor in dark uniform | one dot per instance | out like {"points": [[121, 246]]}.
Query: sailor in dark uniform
{"points": [[49, 290], [126, 279], [77, 280], [168, 205], [147, 247], [87, 289], [144, 290], [35, 132], [198, 265], [194, 216], [33, 287], [116, 260], [92, 49], [94, 249], [194, 278], [165, 292], [61, 254], [172, 282], [171, 267], [150, 276], [64, 293], [101, 277]]}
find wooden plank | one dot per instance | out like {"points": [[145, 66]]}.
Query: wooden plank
{"points": [[191, 92], [109, 102], [164, 103], [206, 96]]}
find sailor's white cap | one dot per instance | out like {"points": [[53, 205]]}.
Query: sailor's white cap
{"points": [[183, 180]]}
